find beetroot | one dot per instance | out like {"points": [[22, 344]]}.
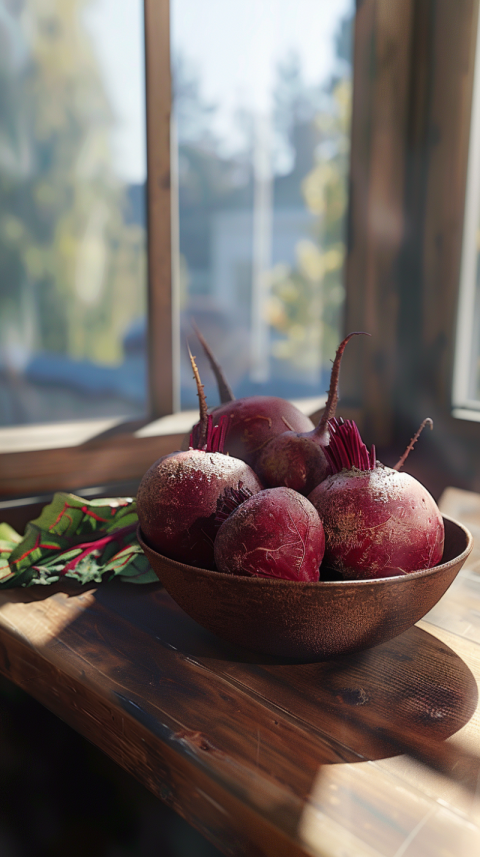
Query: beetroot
{"points": [[297, 459], [179, 495], [178, 498], [275, 533], [254, 420], [378, 522]]}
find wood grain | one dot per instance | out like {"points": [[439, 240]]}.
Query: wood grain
{"points": [[381, 98], [188, 715], [266, 756]]}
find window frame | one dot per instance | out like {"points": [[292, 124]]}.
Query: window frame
{"points": [[414, 72], [464, 406], [114, 451], [413, 80]]}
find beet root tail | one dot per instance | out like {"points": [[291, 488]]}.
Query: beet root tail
{"points": [[332, 400], [401, 461], [224, 390]]}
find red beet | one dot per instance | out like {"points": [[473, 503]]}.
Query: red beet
{"points": [[178, 499], [297, 459], [180, 494], [254, 420], [378, 522], [275, 533]]}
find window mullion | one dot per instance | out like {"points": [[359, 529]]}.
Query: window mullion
{"points": [[161, 314]]}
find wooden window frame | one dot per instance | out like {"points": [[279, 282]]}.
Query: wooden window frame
{"points": [[413, 76], [413, 79]]}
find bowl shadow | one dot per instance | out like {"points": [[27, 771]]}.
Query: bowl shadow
{"points": [[370, 705]]}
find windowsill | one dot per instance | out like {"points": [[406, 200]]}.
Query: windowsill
{"points": [[41, 459], [53, 435], [33, 438], [466, 414]]}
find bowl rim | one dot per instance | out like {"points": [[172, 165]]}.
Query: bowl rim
{"points": [[277, 581]]}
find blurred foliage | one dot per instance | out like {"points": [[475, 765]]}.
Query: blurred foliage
{"points": [[306, 301], [70, 265]]}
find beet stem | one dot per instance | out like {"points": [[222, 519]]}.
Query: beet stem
{"points": [[224, 390], [215, 436], [401, 461], [223, 425], [202, 402], [346, 448], [332, 400], [210, 434]]}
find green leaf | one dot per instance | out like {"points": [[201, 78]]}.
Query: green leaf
{"points": [[9, 535], [83, 540], [9, 538]]}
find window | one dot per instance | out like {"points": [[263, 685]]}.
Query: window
{"points": [[413, 79], [72, 212], [262, 111], [69, 455], [100, 352]]}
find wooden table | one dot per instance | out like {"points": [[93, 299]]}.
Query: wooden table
{"points": [[267, 757]]}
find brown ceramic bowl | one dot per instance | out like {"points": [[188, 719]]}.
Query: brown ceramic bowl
{"points": [[310, 620]]}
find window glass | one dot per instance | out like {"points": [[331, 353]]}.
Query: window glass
{"points": [[262, 108], [72, 210]]}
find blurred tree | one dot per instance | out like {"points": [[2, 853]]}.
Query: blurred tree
{"points": [[307, 300], [207, 176], [310, 153], [70, 266]]}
